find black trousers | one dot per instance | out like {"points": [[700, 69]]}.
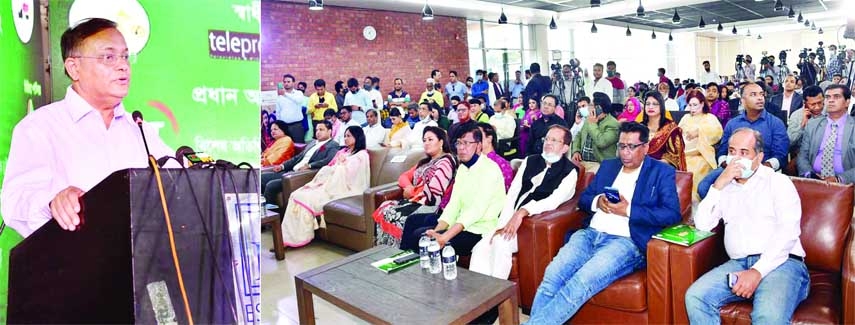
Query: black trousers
{"points": [[418, 224]]}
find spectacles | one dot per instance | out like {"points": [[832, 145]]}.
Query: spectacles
{"points": [[109, 60], [631, 147], [461, 143], [558, 141]]}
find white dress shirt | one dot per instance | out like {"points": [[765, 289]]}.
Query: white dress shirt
{"points": [[362, 99], [600, 86], [309, 153], [374, 135], [707, 77], [339, 137], [611, 223], [413, 141], [289, 107], [769, 225], [67, 144], [505, 126]]}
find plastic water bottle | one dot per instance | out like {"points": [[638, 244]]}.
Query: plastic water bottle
{"points": [[449, 263], [433, 253], [424, 259]]}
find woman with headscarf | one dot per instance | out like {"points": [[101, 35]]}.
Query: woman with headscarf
{"points": [[266, 139], [282, 148], [701, 130], [423, 187], [664, 90], [630, 110], [346, 175], [399, 131], [666, 138], [532, 114]]}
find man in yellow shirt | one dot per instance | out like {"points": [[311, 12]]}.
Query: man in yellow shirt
{"points": [[431, 94], [320, 101]]}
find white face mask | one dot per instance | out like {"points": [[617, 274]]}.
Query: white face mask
{"points": [[550, 157], [583, 111], [745, 162]]}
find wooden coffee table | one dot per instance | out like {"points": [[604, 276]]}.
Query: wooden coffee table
{"points": [[408, 296]]}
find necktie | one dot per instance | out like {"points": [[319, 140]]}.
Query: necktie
{"points": [[828, 152]]}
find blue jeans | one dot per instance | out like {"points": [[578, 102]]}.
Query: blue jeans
{"points": [[775, 299], [586, 265], [704, 185]]}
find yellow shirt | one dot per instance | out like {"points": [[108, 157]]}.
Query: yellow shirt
{"points": [[437, 97], [318, 114]]}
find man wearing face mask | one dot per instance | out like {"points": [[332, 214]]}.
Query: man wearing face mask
{"points": [[375, 98], [481, 87], [541, 126], [599, 84], [757, 118], [358, 99], [598, 138], [618, 85], [583, 103], [825, 151], [431, 94], [761, 239]]}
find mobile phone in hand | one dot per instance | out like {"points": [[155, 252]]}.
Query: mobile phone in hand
{"points": [[731, 279], [612, 194]]}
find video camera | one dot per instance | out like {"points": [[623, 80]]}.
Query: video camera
{"points": [[820, 54], [740, 58]]}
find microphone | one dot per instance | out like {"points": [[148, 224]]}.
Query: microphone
{"points": [[139, 120]]}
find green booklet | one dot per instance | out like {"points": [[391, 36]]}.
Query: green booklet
{"points": [[388, 264], [683, 235]]}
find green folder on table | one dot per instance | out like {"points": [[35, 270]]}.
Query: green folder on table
{"points": [[388, 264], [683, 235]]}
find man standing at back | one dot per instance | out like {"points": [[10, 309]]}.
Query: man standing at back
{"points": [[62, 150], [289, 108], [538, 86]]}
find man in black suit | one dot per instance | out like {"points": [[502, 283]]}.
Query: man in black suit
{"points": [[538, 86], [790, 97], [317, 154]]}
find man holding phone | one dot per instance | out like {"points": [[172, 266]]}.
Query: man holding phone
{"points": [[613, 242], [761, 238]]}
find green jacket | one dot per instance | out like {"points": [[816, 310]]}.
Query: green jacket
{"points": [[604, 135]]}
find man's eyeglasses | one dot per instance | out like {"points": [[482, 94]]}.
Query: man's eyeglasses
{"points": [[556, 141], [109, 59], [461, 143], [631, 147]]}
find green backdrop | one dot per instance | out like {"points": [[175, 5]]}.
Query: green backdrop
{"points": [[175, 81]]}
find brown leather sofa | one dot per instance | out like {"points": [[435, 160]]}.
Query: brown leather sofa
{"points": [[349, 221], [828, 237], [641, 297]]}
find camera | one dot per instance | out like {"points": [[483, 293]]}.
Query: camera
{"points": [[804, 53], [820, 53], [740, 58]]}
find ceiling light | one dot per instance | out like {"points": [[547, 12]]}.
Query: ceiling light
{"points": [[628, 32], [733, 30], [670, 38], [702, 24], [813, 25], [779, 5], [593, 28], [749, 32], [759, 36], [552, 24], [316, 5], [820, 32], [427, 12], [595, 3], [720, 27], [502, 18], [807, 23], [653, 36], [792, 13], [676, 18], [640, 11], [801, 18]]}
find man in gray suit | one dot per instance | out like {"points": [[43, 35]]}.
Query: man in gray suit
{"points": [[317, 154], [827, 152], [799, 119]]}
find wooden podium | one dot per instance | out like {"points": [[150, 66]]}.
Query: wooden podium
{"points": [[118, 266]]}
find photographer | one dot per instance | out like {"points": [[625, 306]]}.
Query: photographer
{"points": [[563, 86], [748, 68], [808, 68]]}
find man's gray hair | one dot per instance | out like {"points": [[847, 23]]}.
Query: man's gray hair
{"points": [[758, 138]]}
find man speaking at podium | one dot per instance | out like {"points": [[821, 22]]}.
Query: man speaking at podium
{"points": [[64, 149]]}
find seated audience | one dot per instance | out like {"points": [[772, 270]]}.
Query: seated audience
{"points": [[266, 139], [412, 114], [666, 142], [532, 113], [787, 101], [474, 206], [718, 107], [346, 175], [630, 110], [701, 131], [345, 120], [503, 121], [414, 141], [441, 120], [431, 94], [813, 107], [476, 111], [400, 129], [317, 154], [613, 242], [597, 141], [542, 183], [423, 186], [668, 103], [455, 130], [755, 116], [761, 238], [540, 126], [452, 112], [375, 134], [826, 151], [281, 150], [488, 149]]}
